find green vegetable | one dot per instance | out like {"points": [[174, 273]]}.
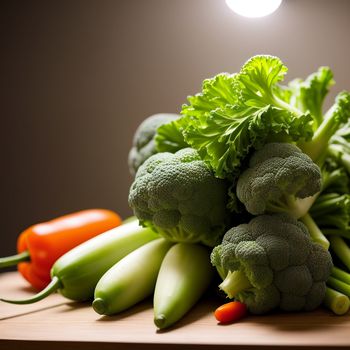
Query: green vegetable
{"points": [[340, 281], [282, 179], [315, 232], [238, 112], [278, 175], [271, 263], [331, 211], [308, 95], [178, 196], [339, 146], [279, 152], [76, 273], [339, 285], [184, 276], [338, 114], [340, 275], [143, 145], [130, 280], [336, 301], [340, 249]]}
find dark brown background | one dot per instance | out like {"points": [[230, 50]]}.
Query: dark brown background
{"points": [[77, 77]]}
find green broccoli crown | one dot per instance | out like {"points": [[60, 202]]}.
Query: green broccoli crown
{"points": [[277, 174], [271, 262], [144, 145], [178, 196]]}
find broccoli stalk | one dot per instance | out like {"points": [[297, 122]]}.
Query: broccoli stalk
{"points": [[336, 301], [315, 233], [340, 249], [338, 114], [234, 283], [339, 285], [340, 275], [339, 151], [332, 211], [339, 147]]}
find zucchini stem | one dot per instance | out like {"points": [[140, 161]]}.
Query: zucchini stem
{"points": [[52, 287]]}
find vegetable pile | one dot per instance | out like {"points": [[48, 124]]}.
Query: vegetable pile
{"points": [[252, 182]]}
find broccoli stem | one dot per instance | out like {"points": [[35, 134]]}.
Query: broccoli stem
{"points": [[319, 143], [332, 178], [340, 275], [315, 233], [331, 219], [234, 283], [341, 249], [338, 151], [326, 202], [296, 207], [339, 285], [336, 232], [299, 207], [336, 301]]}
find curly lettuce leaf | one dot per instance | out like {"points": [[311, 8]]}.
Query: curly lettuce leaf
{"points": [[309, 95], [235, 113], [170, 138], [217, 92], [225, 137], [258, 78]]}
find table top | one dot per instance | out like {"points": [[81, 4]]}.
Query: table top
{"points": [[57, 323]]}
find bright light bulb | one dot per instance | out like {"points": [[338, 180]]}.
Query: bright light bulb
{"points": [[253, 8]]}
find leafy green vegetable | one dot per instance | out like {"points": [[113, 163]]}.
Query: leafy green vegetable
{"points": [[169, 137], [279, 152], [309, 94], [236, 113]]}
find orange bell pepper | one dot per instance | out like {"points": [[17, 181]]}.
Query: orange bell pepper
{"points": [[40, 245]]}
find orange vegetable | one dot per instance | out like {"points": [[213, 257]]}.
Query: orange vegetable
{"points": [[40, 245], [230, 312]]}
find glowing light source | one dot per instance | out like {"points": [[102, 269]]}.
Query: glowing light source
{"points": [[253, 8]]}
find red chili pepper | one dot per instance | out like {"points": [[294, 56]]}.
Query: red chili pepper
{"points": [[40, 245], [230, 312]]}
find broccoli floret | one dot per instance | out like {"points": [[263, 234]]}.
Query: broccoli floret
{"points": [[179, 197], [278, 174], [144, 145], [272, 263]]}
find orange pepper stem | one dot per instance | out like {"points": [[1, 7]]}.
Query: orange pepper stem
{"points": [[14, 259]]}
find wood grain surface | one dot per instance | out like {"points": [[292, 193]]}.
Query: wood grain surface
{"points": [[57, 323]]}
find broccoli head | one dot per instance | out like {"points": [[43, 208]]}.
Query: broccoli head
{"points": [[278, 175], [179, 197], [270, 263], [144, 145]]}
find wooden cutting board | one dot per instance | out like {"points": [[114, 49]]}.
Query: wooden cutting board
{"points": [[57, 323]]}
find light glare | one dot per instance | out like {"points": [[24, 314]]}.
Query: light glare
{"points": [[253, 8]]}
